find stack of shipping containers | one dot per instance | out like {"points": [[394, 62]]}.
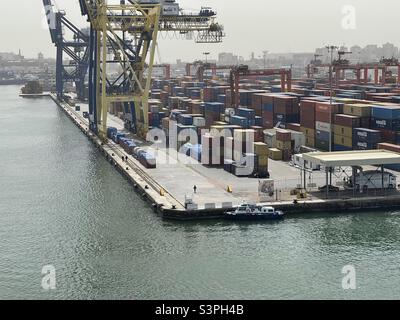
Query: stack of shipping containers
{"points": [[343, 128], [324, 119], [307, 121]]}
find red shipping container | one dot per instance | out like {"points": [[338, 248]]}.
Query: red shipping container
{"points": [[268, 98], [307, 110], [283, 135], [326, 107], [257, 104], [389, 136], [347, 120], [365, 122], [324, 117], [294, 126], [258, 134], [207, 94], [268, 119], [389, 147], [285, 105]]}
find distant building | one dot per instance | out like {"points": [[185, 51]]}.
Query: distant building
{"points": [[225, 58]]}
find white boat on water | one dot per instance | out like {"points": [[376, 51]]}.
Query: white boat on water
{"points": [[254, 212]]}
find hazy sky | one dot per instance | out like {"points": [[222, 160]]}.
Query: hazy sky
{"points": [[251, 26]]}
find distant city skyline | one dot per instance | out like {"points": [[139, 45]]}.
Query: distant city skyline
{"points": [[281, 27]]}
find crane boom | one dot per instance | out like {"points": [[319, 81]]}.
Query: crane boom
{"points": [[76, 48], [130, 30]]}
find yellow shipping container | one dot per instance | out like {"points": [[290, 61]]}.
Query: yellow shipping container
{"points": [[343, 131], [343, 141], [284, 145], [359, 110], [263, 161], [260, 149], [308, 131], [347, 100], [275, 154]]}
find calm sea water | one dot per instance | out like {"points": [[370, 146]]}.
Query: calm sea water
{"points": [[62, 204]]}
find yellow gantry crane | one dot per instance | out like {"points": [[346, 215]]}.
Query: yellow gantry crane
{"points": [[129, 32]]}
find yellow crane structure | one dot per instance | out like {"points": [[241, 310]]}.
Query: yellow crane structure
{"points": [[129, 31]]}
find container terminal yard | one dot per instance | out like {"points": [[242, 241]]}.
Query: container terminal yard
{"points": [[197, 145]]}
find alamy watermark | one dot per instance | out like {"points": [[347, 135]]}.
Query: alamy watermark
{"points": [[49, 18], [216, 146], [349, 281], [49, 277], [349, 20]]}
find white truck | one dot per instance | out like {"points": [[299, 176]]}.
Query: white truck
{"points": [[372, 180]]}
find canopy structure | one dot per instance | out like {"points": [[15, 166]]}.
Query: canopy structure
{"points": [[353, 158]]}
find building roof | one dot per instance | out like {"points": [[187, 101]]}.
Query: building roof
{"points": [[353, 158]]}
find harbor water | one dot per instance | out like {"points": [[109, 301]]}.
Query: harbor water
{"points": [[62, 204]]}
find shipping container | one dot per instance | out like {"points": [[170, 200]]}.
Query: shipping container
{"points": [[343, 131], [343, 140], [283, 145], [260, 149], [322, 145], [326, 107], [389, 147], [323, 126], [275, 154], [323, 135], [338, 148], [283, 135], [360, 145], [389, 112], [347, 120], [366, 135], [310, 132], [391, 125], [246, 113], [358, 110], [294, 127], [310, 141]]}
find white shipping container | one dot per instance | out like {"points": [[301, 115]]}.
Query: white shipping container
{"points": [[323, 126], [270, 139], [199, 122], [299, 139]]}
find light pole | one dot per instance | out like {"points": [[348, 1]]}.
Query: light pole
{"points": [[265, 53], [331, 49]]}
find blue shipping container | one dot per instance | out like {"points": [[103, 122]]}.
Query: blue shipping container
{"points": [[322, 135], [249, 114], [185, 119], [240, 121], [259, 121], [366, 135], [215, 107], [388, 113], [269, 107], [359, 145], [386, 124], [338, 147]]}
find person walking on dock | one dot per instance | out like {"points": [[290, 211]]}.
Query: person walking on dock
{"points": [[195, 189]]}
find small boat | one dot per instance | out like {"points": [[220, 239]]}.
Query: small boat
{"points": [[254, 212]]}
